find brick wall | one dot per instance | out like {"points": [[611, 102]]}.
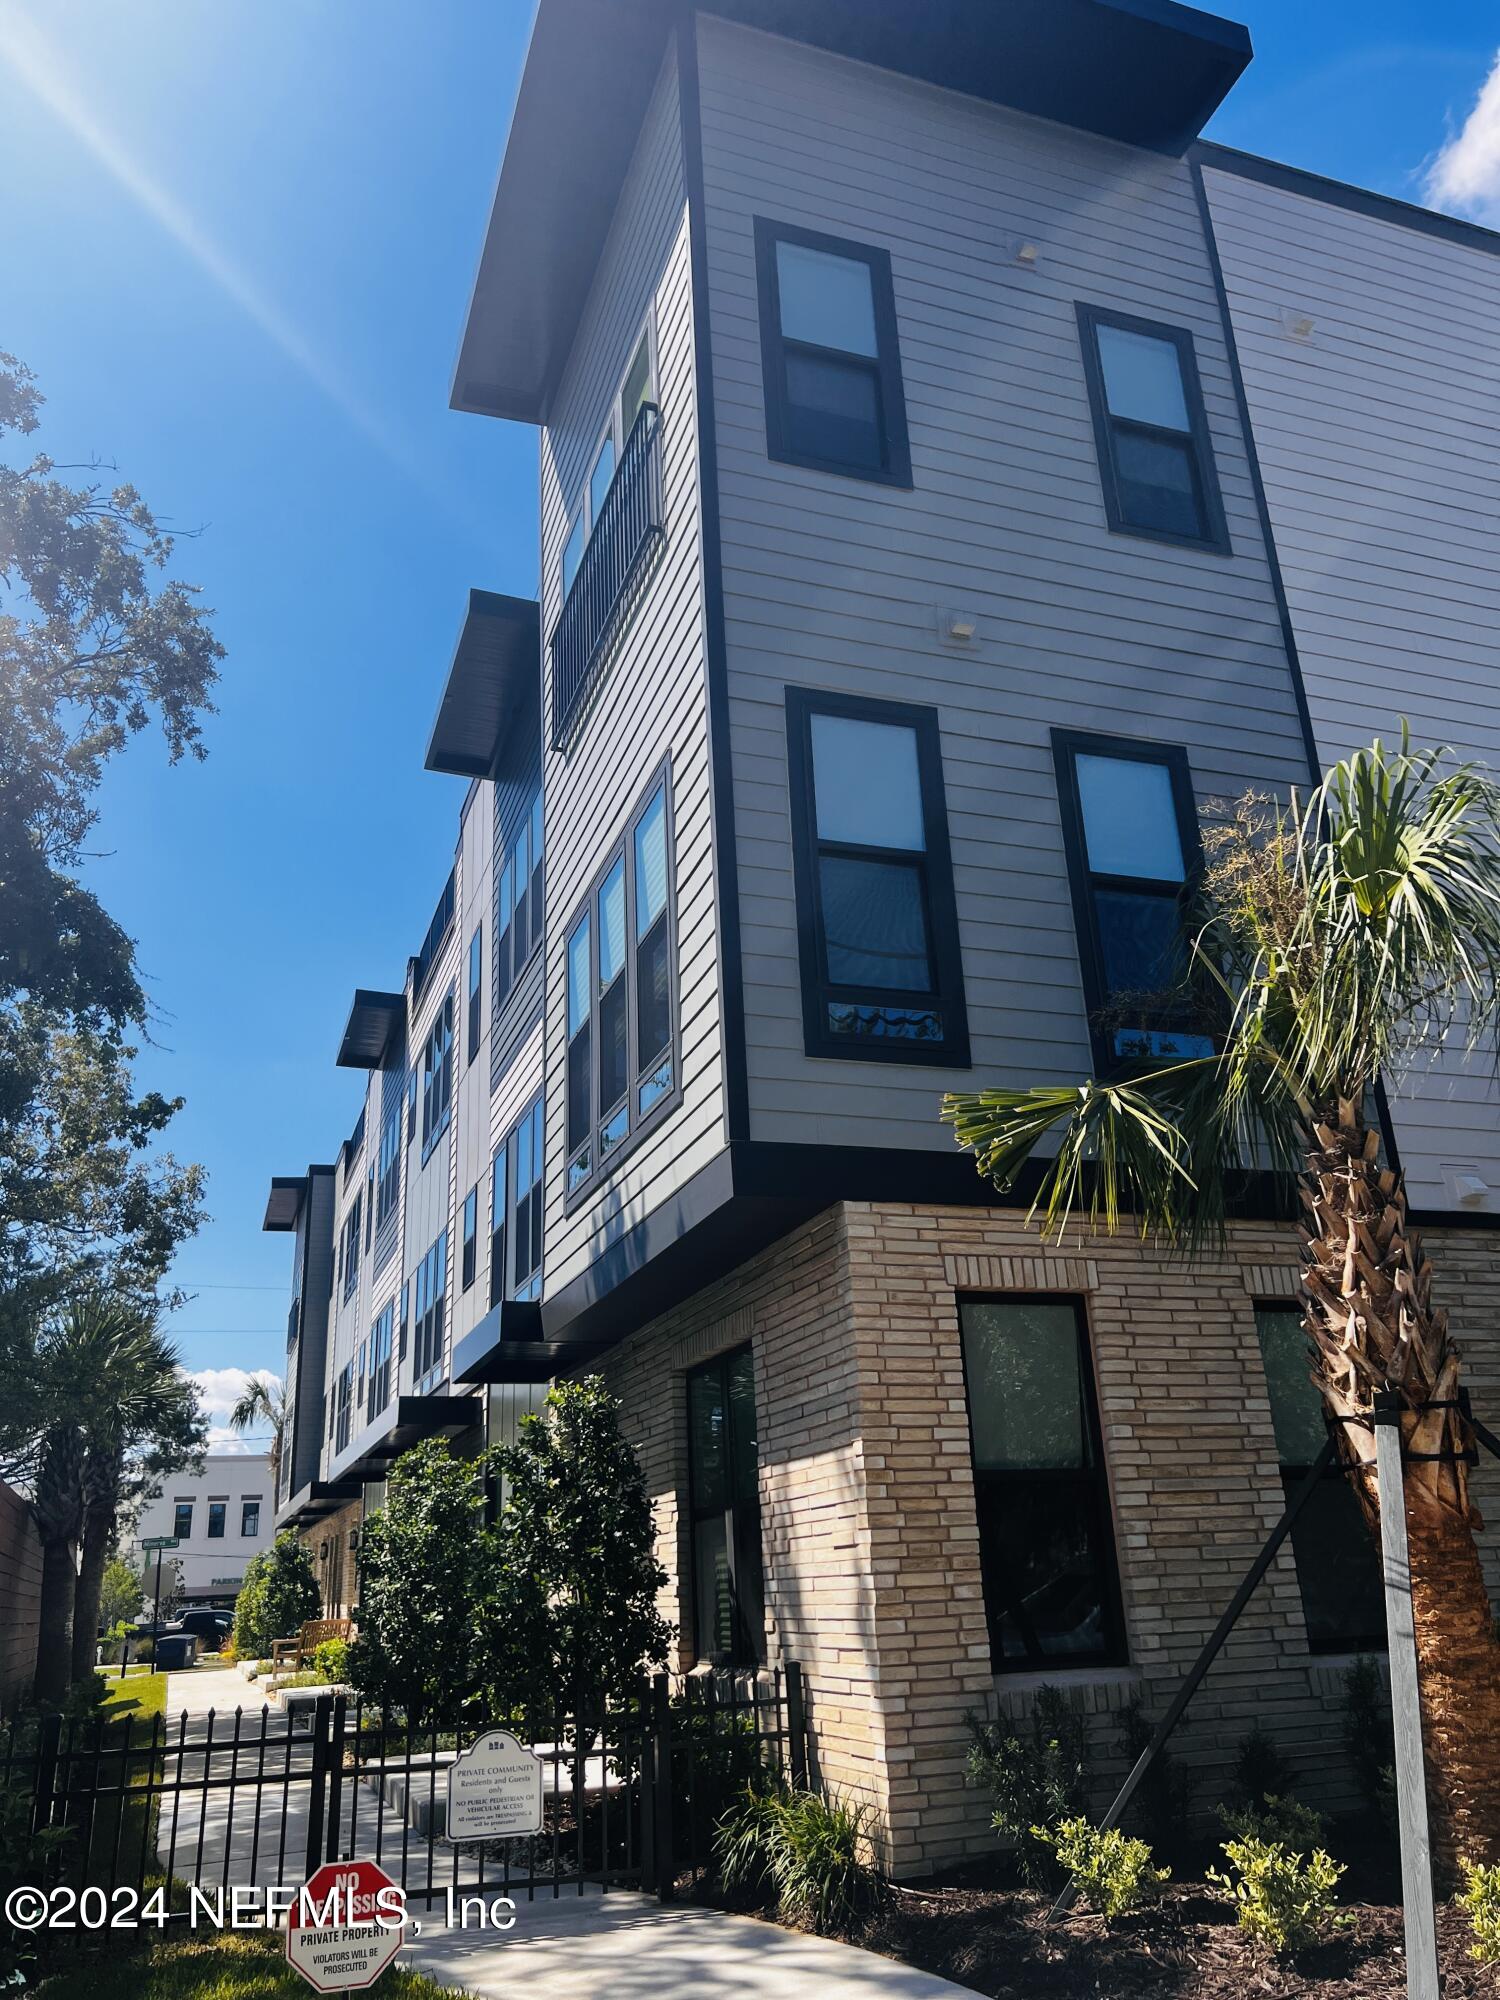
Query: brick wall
{"points": [[20, 1596], [869, 1530]]}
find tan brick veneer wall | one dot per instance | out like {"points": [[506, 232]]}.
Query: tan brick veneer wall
{"points": [[870, 1539]]}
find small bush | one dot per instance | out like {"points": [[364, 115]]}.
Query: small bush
{"points": [[1282, 1902], [1113, 1868], [1277, 1822], [1261, 1771], [805, 1846], [1162, 1806], [1036, 1780], [330, 1660], [1479, 1899]]}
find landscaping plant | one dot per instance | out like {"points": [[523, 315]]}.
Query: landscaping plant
{"points": [[1479, 1899], [1280, 1822], [809, 1847], [330, 1661], [1260, 1770], [1113, 1869], [1332, 942], [1036, 1780], [1163, 1801], [1282, 1900], [278, 1596]]}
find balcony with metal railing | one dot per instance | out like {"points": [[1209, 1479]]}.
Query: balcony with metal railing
{"points": [[629, 525]]}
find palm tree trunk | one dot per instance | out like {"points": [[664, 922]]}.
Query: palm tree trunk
{"points": [[1373, 1326], [56, 1507], [93, 1561]]}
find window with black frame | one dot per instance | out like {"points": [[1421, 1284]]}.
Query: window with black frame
{"points": [[527, 1165], [518, 900], [344, 1406], [475, 991], [182, 1519], [1130, 830], [468, 1267], [621, 996], [437, 1077], [882, 976], [378, 1390], [830, 355], [1338, 1570], [429, 1304], [724, 1511], [1046, 1540], [1156, 461], [388, 1176], [499, 1221], [217, 1512], [351, 1249]]}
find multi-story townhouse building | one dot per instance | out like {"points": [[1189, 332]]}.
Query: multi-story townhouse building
{"points": [[954, 477]]}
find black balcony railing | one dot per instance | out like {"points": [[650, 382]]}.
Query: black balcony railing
{"points": [[432, 944], [628, 525]]}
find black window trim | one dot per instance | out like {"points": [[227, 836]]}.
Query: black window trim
{"points": [[753, 1642], [641, 1127], [1215, 537], [1066, 745], [444, 1014], [1116, 1650], [504, 990], [508, 1149], [897, 469], [1292, 1477], [615, 432], [802, 704]]}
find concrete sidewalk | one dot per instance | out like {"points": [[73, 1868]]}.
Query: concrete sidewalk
{"points": [[630, 1947]]}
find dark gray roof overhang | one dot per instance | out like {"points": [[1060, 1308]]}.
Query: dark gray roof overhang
{"points": [[284, 1202], [373, 1019], [492, 684], [1149, 72]]}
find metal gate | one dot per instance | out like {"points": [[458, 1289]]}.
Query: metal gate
{"points": [[254, 1799]]}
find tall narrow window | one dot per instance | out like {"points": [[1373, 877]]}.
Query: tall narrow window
{"points": [[877, 920], [378, 1391], [527, 1225], [182, 1519], [249, 1520], [572, 554], [469, 1260], [830, 359], [388, 1178], [1338, 1571], [601, 478], [437, 1077], [344, 1407], [1156, 460], [724, 1505], [217, 1509], [351, 1249], [518, 900], [476, 989], [430, 1306], [1046, 1547], [1131, 834], [499, 1218], [621, 1061]]}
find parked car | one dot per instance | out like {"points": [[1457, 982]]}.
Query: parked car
{"points": [[210, 1627]]}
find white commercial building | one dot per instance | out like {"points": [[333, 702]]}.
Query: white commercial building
{"points": [[220, 1518]]}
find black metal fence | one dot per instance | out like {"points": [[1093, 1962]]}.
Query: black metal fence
{"points": [[258, 1798], [629, 523]]}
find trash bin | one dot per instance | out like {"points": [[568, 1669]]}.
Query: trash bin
{"points": [[176, 1650]]}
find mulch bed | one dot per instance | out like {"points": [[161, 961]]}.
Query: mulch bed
{"points": [[993, 1939]]}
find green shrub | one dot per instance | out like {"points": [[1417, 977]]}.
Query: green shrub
{"points": [[1282, 1901], [807, 1847], [1369, 1749], [1035, 1780], [330, 1660], [1163, 1803], [1277, 1822], [1261, 1771], [1113, 1869], [1479, 1899]]}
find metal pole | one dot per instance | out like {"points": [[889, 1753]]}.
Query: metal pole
{"points": [[1204, 1661], [156, 1610], [1406, 1713]]}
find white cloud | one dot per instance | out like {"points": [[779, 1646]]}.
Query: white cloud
{"points": [[220, 1389], [1465, 175]]}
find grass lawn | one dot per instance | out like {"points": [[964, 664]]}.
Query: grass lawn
{"points": [[140, 1696], [243, 1967]]}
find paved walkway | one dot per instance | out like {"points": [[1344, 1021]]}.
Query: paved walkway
{"points": [[629, 1947], [591, 1947]]}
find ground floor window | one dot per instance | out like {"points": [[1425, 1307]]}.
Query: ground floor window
{"points": [[724, 1511], [1338, 1571], [1046, 1543]]}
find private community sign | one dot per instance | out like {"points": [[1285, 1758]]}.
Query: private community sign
{"points": [[494, 1789]]}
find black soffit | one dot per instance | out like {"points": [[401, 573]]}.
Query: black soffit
{"points": [[493, 684], [1148, 72]]}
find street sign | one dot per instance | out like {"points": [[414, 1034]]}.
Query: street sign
{"points": [[494, 1789], [161, 1542], [333, 1934]]}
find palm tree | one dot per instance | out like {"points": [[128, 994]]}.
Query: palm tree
{"points": [[265, 1401], [1333, 943], [57, 1509], [138, 1401]]}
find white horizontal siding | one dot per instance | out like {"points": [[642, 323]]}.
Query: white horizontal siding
{"points": [[651, 702], [835, 583], [1379, 442]]}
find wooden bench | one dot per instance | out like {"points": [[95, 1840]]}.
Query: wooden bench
{"points": [[294, 1653]]}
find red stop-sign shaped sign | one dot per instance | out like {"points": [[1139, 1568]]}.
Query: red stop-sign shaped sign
{"points": [[344, 1928]]}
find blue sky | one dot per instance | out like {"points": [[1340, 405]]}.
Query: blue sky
{"points": [[237, 240]]}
